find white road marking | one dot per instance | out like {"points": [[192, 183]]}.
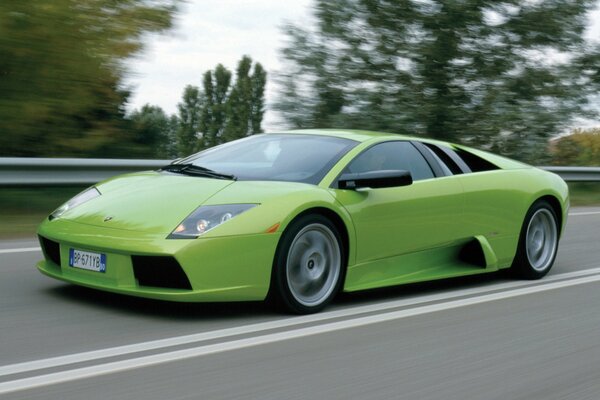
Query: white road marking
{"points": [[202, 350], [20, 250], [584, 213], [282, 323], [64, 360]]}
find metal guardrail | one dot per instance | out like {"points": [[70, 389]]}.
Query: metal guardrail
{"points": [[67, 171], [576, 174], [78, 171]]}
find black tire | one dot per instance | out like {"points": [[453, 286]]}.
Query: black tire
{"points": [[538, 242], [299, 260]]}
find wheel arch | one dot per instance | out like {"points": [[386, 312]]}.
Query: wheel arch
{"points": [[332, 216], [336, 219], [328, 213], [556, 207], [521, 265]]}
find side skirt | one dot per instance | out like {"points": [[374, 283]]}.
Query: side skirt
{"points": [[466, 257]]}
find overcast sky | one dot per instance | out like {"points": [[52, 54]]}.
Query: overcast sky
{"points": [[209, 32], [206, 33]]}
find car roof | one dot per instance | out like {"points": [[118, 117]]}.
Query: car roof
{"points": [[365, 136], [357, 135]]}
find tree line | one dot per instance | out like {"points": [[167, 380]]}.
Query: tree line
{"points": [[227, 107], [580, 148], [505, 76], [501, 75], [62, 92], [62, 67]]}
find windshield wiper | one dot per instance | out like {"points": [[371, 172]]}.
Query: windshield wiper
{"points": [[196, 170]]}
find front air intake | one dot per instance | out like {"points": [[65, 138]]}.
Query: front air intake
{"points": [[159, 271], [51, 250]]}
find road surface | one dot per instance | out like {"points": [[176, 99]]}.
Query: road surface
{"points": [[485, 337]]}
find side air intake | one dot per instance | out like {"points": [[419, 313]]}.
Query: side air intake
{"points": [[472, 253]]}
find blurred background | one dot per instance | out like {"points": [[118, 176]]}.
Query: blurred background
{"points": [[159, 79]]}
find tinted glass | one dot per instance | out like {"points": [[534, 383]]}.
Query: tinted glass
{"points": [[292, 158], [445, 158], [476, 163], [392, 156], [442, 165]]}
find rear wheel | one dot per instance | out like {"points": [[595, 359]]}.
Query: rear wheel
{"points": [[538, 242], [309, 265]]}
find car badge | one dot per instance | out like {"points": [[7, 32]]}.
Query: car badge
{"points": [[108, 218]]}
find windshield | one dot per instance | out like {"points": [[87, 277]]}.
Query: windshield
{"points": [[274, 157]]}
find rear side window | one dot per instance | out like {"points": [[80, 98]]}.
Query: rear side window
{"points": [[460, 161], [445, 159], [392, 156], [476, 163]]}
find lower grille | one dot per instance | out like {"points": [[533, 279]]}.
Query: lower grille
{"points": [[159, 271], [51, 250]]}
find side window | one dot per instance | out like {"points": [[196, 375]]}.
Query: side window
{"points": [[445, 158], [445, 170], [476, 163], [392, 155], [459, 161]]}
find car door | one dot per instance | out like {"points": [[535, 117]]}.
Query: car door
{"points": [[398, 220], [494, 200]]}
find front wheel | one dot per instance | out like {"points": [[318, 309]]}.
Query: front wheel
{"points": [[538, 242], [309, 265]]}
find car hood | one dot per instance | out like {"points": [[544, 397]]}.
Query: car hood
{"points": [[153, 202]]}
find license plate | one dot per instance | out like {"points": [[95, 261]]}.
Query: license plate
{"points": [[87, 260]]}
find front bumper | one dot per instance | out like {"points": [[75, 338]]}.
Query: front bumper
{"points": [[227, 268]]}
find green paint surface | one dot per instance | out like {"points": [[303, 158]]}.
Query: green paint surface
{"points": [[395, 235]]}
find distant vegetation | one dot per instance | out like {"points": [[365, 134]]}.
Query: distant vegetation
{"points": [[62, 71], [62, 92], [582, 147], [221, 111], [501, 75]]}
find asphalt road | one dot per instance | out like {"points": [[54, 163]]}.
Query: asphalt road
{"points": [[478, 338]]}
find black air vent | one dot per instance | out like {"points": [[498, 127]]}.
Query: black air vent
{"points": [[472, 253], [51, 250], [159, 271]]}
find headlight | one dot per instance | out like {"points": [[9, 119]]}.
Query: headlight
{"points": [[205, 218], [81, 198]]}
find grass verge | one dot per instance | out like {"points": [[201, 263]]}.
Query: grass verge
{"points": [[585, 193], [23, 209]]}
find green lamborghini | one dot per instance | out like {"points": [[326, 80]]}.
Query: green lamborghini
{"points": [[299, 216]]}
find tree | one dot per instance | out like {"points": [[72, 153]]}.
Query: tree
{"points": [[216, 94], [258, 81], [245, 105], [505, 75], [188, 131], [224, 110], [240, 102], [581, 147], [154, 133], [62, 69]]}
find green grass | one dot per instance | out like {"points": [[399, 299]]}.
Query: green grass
{"points": [[585, 193], [22, 210]]}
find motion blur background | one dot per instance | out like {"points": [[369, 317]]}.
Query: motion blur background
{"points": [[165, 78]]}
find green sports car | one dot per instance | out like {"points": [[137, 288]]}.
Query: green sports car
{"points": [[298, 216]]}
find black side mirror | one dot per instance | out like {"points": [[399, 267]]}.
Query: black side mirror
{"points": [[375, 179]]}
